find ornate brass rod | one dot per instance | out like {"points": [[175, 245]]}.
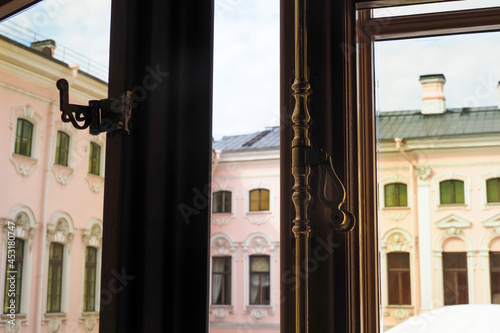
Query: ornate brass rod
{"points": [[301, 171]]}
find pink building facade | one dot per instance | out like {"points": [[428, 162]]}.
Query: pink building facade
{"points": [[52, 196], [439, 212], [245, 295]]}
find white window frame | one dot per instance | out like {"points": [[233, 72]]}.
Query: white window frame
{"points": [[454, 226], [27, 233], [26, 164], [60, 229], [91, 237], [451, 176], [259, 243], [96, 182], [223, 245], [260, 216], [484, 198], [63, 173]]}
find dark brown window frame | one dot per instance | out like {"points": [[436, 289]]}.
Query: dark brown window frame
{"points": [[399, 272], [225, 275], [397, 194], [262, 293], [24, 134], [95, 158], [55, 285], [494, 275], [370, 30], [224, 198], [498, 188], [62, 153], [19, 263], [90, 292], [453, 191], [457, 273]]}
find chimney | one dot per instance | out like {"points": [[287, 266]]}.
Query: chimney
{"points": [[47, 47], [432, 93]]}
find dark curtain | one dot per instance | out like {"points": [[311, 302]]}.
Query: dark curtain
{"points": [[156, 215]]}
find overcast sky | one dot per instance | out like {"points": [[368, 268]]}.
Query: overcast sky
{"points": [[246, 67]]}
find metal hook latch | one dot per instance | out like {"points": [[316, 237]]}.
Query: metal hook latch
{"points": [[103, 115], [341, 219]]}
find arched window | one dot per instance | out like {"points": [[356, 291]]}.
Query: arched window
{"points": [[89, 289], [260, 280], [55, 278], [396, 195], [95, 159], [259, 200], [398, 278], [493, 190], [221, 202], [455, 281], [14, 263], [451, 192], [62, 148], [24, 136]]}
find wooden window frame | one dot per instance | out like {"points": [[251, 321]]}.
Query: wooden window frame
{"points": [[498, 189], [369, 30], [226, 275], [453, 191], [89, 291], [496, 271], [399, 271], [62, 153], [23, 123], [19, 260], [260, 190], [397, 194], [456, 271], [95, 158], [54, 263], [224, 200], [261, 301]]}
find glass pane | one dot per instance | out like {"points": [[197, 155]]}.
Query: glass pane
{"points": [[264, 200], [45, 164], [254, 200], [443, 6], [246, 159], [259, 264], [493, 190], [429, 114]]}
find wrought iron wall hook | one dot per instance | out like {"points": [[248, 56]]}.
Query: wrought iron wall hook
{"points": [[103, 115]]}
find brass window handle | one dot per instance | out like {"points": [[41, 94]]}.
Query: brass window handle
{"points": [[342, 220]]}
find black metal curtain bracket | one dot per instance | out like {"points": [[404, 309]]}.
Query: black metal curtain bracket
{"points": [[105, 115]]}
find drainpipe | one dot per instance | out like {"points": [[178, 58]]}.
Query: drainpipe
{"points": [[45, 205], [399, 142]]}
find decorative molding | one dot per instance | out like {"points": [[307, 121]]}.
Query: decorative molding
{"points": [[396, 216], [24, 164], [258, 218], [423, 172], [92, 235], [453, 225], [222, 220], [63, 174], [54, 324], [95, 182], [400, 315], [258, 314], [16, 328], [89, 320], [220, 313]]}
